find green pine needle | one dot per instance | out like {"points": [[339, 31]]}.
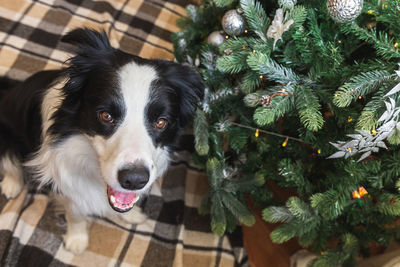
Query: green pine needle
{"points": [[329, 204], [256, 17], [218, 217], [200, 127], [274, 214], [237, 208], [389, 204], [279, 106], [300, 209], [233, 63], [308, 107], [215, 174], [361, 85], [223, 3]]}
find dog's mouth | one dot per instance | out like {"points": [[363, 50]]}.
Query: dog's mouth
{"points": [[121, 201]]}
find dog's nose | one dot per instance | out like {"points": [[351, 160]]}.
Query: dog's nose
{"points": [[133, 177]]}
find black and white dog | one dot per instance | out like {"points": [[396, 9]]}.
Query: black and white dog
{"points": [[100, 131]]}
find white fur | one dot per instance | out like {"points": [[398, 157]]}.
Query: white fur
{"points": [[13, 179]]}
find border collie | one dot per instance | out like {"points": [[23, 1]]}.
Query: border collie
{"points": [[99, 131]]}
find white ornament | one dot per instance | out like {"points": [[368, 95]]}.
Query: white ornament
{"points": [[278, 26], [216, 38], [344, 10]]}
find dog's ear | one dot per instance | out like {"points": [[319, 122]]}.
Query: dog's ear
{"points": [[92, 51], [88, 39], [189, 87]]}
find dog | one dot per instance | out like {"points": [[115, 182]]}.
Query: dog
{"points": [[99, 131]]}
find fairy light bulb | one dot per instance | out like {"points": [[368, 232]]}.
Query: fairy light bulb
{"points": [[284, 144], [257, 133]]}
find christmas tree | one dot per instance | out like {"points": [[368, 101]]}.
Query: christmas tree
{"points": [[305, 95]]}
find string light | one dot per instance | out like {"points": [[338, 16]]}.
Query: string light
{"points": [[319, 151], [246, 31], [349, 149], [359, 97], [257, 133], [349, 119], [374, 132], [226, 36], [254, 51], [285, 142], [261, 76]]}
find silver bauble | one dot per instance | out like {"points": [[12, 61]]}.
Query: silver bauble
{"points": [[287, 4], [233, 23], [216, 38], [344, 10]]}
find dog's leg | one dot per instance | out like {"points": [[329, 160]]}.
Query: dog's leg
{"points": [[13, 180], [134, 216], [76, 238]]}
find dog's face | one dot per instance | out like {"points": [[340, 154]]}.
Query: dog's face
{"points": [[132, 110]]}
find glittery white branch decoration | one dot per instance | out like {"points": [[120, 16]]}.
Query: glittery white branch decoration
{"points": [[367, 142], [278, 26]]}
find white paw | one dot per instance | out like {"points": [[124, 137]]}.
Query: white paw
{"points": [[134, 216], [11, 186], [76, 243]]}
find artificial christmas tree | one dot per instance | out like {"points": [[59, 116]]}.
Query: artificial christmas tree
{"points": [[304, 97]]}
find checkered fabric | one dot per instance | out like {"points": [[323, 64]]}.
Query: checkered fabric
{"points": [[31, 226]]}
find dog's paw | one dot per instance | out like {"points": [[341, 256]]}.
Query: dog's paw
{"points": [[11, 186], [134, 216], [76, 243]]}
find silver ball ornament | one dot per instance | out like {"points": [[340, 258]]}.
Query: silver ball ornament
{"points": [[233, 23], [287, 4], [216, 38], [343, 11]]}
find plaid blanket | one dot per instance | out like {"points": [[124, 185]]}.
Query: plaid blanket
{"points": [[31, 226]]}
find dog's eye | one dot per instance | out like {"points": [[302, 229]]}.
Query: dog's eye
{"points": [[106, 117], [161, 123]]}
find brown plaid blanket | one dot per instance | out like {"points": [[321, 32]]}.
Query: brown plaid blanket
{"points": [[31, 226]]}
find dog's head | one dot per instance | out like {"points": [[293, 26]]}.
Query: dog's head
{"points": [[131, 109]]}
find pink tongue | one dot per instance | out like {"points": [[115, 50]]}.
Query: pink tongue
{"points": [[122, 197]]}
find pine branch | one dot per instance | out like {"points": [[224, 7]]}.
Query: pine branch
{"points": [[279, 106], [293, 176], [329, 204], [389, 204], [200, 127], [223, 3], [237, 208], [215, 172], [383, 44], [237, 138], [263, 64], [250, 81], [299, 15], [233, 63], [308, 107], [218, 217], [256, 17], [301, 210], [274, 214], [361, 85]]}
